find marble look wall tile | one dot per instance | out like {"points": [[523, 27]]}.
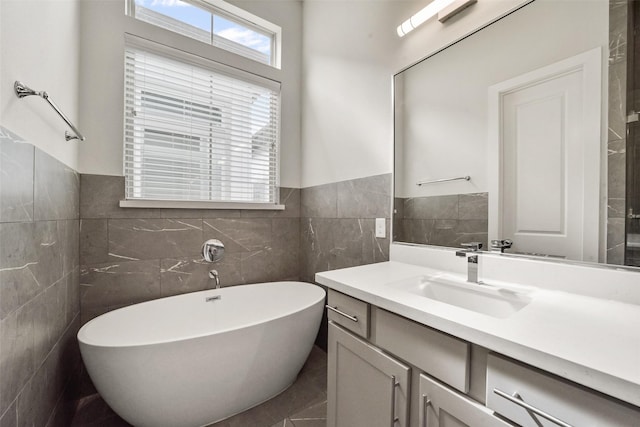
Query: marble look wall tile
{"points": [[285, 233], [615, 240], [616, 160], [49, 253], [269, 265], [365, 198], [616, 208], [230, 269], [37, 401], [289, 197], [18, 261], [94, 241], [398, 207], [122, 283], [316, 240], [239, 235], [617, 112], [69, 233], [617, 31], [100, 196], [17, 358], [10, 417], [139, 239], [320, 201], [39, 258], [178, 276], [50, 319], [328, 244], [450, 233], [56, 189], [435, 207], [73, 294], [473, 206], [16, 180]]}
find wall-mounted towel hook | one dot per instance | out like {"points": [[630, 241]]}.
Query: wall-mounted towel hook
{"points": [[23, 90]]}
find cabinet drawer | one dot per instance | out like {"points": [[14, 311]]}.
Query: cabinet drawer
{"points": [[438, 354], [509, 384], [442, 406], [348, 312]]}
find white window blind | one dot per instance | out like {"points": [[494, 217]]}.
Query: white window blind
{"points": [[198, 133]]}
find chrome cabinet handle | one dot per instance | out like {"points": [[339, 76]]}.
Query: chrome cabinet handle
{"points": [[394, 386], [515, 398], [342, 313], [426, 402]]}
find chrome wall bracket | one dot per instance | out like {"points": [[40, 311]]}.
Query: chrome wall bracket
{"points": [[23, 91]]}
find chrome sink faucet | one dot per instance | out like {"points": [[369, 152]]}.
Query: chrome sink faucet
{"points": [[470, 252]]}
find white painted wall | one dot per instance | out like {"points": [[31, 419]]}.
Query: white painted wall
{"points": [[446, 96], [350, 51], [39, 45], [102, 54]]}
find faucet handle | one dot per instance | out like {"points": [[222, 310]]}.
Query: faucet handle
{"points": [[473, 246], [501, 244]]}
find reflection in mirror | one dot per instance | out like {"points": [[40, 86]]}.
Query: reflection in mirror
{"points": [[520, 107]]}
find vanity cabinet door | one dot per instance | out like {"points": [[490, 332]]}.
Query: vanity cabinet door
{"points": [[365, 387], [441, 406]]}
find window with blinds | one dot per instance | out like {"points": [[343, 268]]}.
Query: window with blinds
{"points": [[198, 131]]}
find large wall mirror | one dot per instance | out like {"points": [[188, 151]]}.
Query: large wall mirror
{"points": [[507, 134]]}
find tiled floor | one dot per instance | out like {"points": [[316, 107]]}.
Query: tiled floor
{"points": [[301, 405]]}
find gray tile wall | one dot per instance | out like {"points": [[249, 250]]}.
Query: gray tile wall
{"points": [[442, 220], [338, 227], [133, 255], [39, 285], [616, 158], [338, 224]]}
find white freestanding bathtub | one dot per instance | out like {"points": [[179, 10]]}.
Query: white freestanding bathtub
{"points": [[191, 360]]}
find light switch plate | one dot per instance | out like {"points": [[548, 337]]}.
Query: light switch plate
{"points": [[381, 231]]}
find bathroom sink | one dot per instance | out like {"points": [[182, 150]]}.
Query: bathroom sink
{"points": [[481, 298]]}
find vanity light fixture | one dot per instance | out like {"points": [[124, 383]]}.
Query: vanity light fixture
{"points": [[445, 9]]}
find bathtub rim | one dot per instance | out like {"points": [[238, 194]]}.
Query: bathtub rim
{"points": [[82, 334]]}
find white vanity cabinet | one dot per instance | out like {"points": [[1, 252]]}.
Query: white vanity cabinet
{"points": [[365, 387], [386, 370]]}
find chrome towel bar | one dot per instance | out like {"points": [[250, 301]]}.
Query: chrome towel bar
{"points": [[460, 178], [23, 90]]}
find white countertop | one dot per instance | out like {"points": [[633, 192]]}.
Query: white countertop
{"points": [[591, 341]]}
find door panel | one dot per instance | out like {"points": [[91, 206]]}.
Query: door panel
{"points": [[365, 387], [544, 159]]}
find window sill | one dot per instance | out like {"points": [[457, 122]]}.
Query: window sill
{"points": [[174, 204]]}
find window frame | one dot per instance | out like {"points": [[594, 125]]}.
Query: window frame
{"points": [[234, 14], [135, 42]]}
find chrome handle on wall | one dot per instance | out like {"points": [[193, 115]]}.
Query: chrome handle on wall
{"points": [[517, 399], [342, 313], [435, 181], [21, 90], [394, 386], [426, 402]]}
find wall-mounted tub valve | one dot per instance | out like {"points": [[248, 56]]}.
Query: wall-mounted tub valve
{"points": [[213, 251]]}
